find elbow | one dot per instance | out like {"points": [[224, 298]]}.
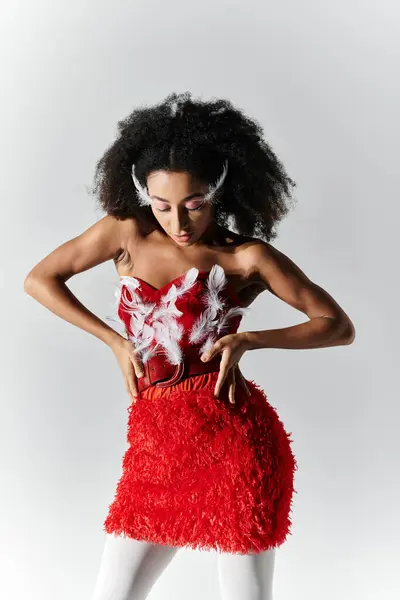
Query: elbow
{"points": [[347, 333], [342, 331], [29, 284], [35, 281]]}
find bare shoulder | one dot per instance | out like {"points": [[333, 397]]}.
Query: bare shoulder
{"points": [[130, 236], [261, 259], [244, 252], [121, 235], [102, 241], [264, 267], [249, 253]]}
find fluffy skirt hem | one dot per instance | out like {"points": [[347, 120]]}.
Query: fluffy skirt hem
{"points": [[204, 474], [230, 547]]}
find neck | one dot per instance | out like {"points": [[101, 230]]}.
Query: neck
{"points": [[212, 236]]}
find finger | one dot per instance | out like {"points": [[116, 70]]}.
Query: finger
{"points": [[223, 371], [130, 391], [232, 387], [132, 383], [243, 381], [139, 371], [209, 354], [246, 387], [137, 365]]}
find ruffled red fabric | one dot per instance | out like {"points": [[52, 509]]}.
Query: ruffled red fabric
{"points": [[203, 473]]}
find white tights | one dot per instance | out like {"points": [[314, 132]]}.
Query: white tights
{"points": [[129, 568]]}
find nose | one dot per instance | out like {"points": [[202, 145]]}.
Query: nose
{"points": [[178, 224]]}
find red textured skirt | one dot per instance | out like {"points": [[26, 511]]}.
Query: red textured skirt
{"points": [[203, 473]]}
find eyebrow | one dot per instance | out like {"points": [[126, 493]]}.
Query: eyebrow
{"points": [[187, 197]]}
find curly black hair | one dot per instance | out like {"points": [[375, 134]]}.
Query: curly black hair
{"points": [[183, 134]]}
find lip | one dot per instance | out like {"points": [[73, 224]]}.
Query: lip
{"points": [[182, 238]]}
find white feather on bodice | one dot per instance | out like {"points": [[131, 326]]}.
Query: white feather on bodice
{"points": [[155, 326]]}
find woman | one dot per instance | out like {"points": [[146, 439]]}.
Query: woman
{"points": [[209, 463]]}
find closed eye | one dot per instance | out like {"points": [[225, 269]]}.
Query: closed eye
{"points": [[189, 209]]}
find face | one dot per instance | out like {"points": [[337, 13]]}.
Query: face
{"points": [[178, 205]]}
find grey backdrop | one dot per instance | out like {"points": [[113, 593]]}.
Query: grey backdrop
{"points": [[322, 78]]}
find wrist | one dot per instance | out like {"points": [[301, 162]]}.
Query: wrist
{"points": [[116, 341], [248, 340]]}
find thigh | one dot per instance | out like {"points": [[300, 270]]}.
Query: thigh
{"points": [[246, 576], [129, 568]]}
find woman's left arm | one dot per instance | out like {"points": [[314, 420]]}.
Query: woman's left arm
{"points": [[327, 325]]}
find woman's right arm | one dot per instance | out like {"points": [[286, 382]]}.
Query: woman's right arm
{"points": [[46, 283]]}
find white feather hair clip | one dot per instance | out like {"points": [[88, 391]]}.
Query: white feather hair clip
{"points": [[212, 195]]}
